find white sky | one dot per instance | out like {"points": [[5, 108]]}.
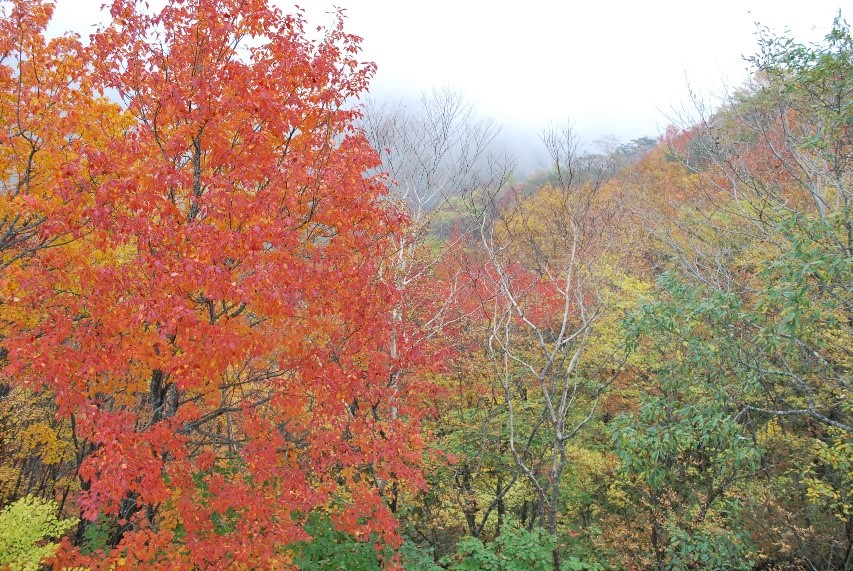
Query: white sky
{"points": [[615, 67]]}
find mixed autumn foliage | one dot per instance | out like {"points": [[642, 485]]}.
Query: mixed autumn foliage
{"points": [[248, 320]]}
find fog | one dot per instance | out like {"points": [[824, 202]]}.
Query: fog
{"points": [[614, 67]]}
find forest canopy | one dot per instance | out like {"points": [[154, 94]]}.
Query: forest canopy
{"points": [[252, 318]]}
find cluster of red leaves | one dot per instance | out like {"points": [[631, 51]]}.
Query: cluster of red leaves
{"points": [[215, 320]]}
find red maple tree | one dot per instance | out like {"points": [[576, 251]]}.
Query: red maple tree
{"points": [[216, 323]]}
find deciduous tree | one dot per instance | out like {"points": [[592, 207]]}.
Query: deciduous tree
{"points": [[217, 329]]}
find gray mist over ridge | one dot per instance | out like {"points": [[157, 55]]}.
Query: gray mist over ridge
{"points": [[613, 68]]}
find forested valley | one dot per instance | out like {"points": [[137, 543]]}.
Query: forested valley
{"points": [[252, 317]]}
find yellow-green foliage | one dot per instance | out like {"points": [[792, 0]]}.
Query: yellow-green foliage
{"points": [[621, 293], [832, 484], [34, 446], [26, 528]]}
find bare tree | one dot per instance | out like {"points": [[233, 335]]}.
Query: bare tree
{"points": [[543, 254], [434, 152]]}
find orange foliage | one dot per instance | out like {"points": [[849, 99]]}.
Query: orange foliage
{"points": [[211, 315]]}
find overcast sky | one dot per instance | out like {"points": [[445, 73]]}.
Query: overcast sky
{"points": [[615, 67]]}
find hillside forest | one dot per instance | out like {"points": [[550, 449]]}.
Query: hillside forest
{"points": [[253, 318]]}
